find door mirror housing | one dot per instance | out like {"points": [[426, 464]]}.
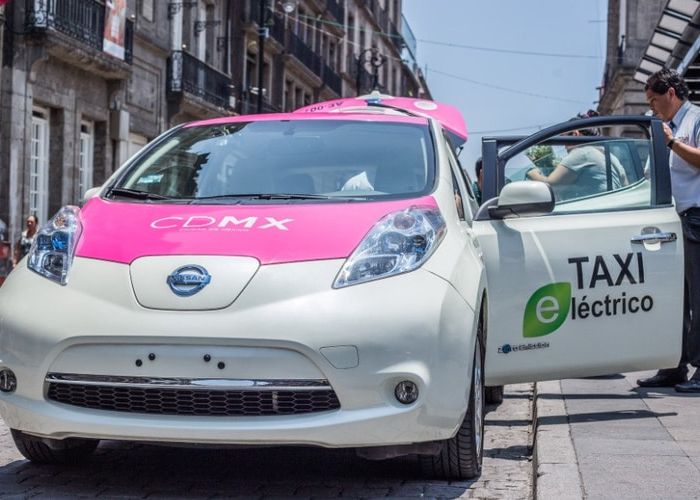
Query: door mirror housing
{"points": [[523, 198], [90, 193]]}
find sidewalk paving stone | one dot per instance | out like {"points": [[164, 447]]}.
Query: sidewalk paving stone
{"points": [[605, 438]]}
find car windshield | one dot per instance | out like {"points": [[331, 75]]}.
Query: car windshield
{"points": [[275, 160]]}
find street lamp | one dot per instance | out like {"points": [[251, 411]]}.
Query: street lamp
{"points": [[375, 59], [263, 33], [288, 6]]}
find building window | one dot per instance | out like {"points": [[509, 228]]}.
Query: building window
{"points": [[136, 142], [301, 25], [362, 40], [188, 37], [351, 31], [147, 10], [86, 158], [288, 105], [210, 38], [39, 164], [298, 97], [296, 28]]}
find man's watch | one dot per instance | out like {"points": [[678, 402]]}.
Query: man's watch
{"points": [[670, 143]]}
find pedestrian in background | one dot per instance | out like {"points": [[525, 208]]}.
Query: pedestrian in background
{"points": [[25, 241], [667, 95], [477, 185]]}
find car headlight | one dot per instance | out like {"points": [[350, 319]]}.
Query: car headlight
{"points": [[53, 249], [400, 242]]}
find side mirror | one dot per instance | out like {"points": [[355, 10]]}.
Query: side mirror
{"points": [[523, 198], [89, 194]]}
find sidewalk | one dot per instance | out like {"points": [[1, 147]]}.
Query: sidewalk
{"points": [[606, 438]]}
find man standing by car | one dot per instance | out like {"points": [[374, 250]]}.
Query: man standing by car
{"points": [[667, 95]]}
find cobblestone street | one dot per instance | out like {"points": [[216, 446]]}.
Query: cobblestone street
{"points": [[120, 470]]}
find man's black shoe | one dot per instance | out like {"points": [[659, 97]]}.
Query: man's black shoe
{"points": [[692, 385], [663, 379]]}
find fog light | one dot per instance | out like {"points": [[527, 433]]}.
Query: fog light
{"points": [[406, 392], [8, 381]]}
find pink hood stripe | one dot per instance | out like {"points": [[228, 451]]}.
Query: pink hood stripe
{"points": [[274, 234]]}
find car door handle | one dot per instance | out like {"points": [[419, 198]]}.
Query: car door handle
{"points": [[654, 238]]}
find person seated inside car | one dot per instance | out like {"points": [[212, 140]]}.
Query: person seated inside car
{"points": [[583, 171]]}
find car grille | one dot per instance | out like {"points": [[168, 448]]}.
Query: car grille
{"points": [[201, 397]]}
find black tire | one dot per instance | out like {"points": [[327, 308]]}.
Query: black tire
{"points": [[461, 455], [494, 395], [59, 451]]}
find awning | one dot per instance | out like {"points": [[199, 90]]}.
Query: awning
{"points": [[674, 43]]}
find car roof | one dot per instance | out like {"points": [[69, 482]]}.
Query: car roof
{"points": [[311, 116], [372, 107], [375, 103]]}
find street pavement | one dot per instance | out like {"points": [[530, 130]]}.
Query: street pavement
{"points": [[605, 438], [123, 470]]}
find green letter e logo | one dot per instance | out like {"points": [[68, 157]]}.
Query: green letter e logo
{"points": [[547, 309]]}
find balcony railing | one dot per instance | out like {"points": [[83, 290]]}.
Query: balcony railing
{"points": [[277, 29], [189, 74], [298, 48], [83, 20], [384, 20], [249, 106]]}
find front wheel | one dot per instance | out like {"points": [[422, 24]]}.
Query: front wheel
{"points": [[53, 451], [461, 455]]}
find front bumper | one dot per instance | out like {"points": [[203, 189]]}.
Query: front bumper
{"points": [[288, 324]]}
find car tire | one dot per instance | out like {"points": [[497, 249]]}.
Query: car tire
{"points": [[494, 395], [53, 451], [461, 456]]}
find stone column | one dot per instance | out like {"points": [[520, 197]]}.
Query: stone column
{"points": [[118, 122]]}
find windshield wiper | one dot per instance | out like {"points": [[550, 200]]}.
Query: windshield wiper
{"points": [[268, 196], [135, 193]]}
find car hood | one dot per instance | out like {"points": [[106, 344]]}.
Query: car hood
{"points": [[272, 234]]}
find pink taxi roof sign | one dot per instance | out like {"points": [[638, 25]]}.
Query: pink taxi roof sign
{"points": [[447, 115]]}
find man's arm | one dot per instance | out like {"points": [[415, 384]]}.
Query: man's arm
{"points": [[560, 175], [685, 151]]}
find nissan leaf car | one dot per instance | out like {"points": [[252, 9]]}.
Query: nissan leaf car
{"points": [[326, 277]]}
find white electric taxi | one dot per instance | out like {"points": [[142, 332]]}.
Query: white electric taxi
{"points": [[329, 277]]}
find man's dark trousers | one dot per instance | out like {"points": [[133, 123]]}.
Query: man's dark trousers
{"points": [[691, 303]]}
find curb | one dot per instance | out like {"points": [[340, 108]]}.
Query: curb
{"points": [[555, 467]]}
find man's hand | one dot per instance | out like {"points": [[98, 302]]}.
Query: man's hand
{"points": [[668, 133], [533, 174]]}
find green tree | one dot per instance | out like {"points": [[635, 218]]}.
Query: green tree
{"points": [[543, 157]]}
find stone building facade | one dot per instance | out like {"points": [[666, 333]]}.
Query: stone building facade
{"points": [[643, 37], [630, 26], [73, 110], [318, 50]]}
